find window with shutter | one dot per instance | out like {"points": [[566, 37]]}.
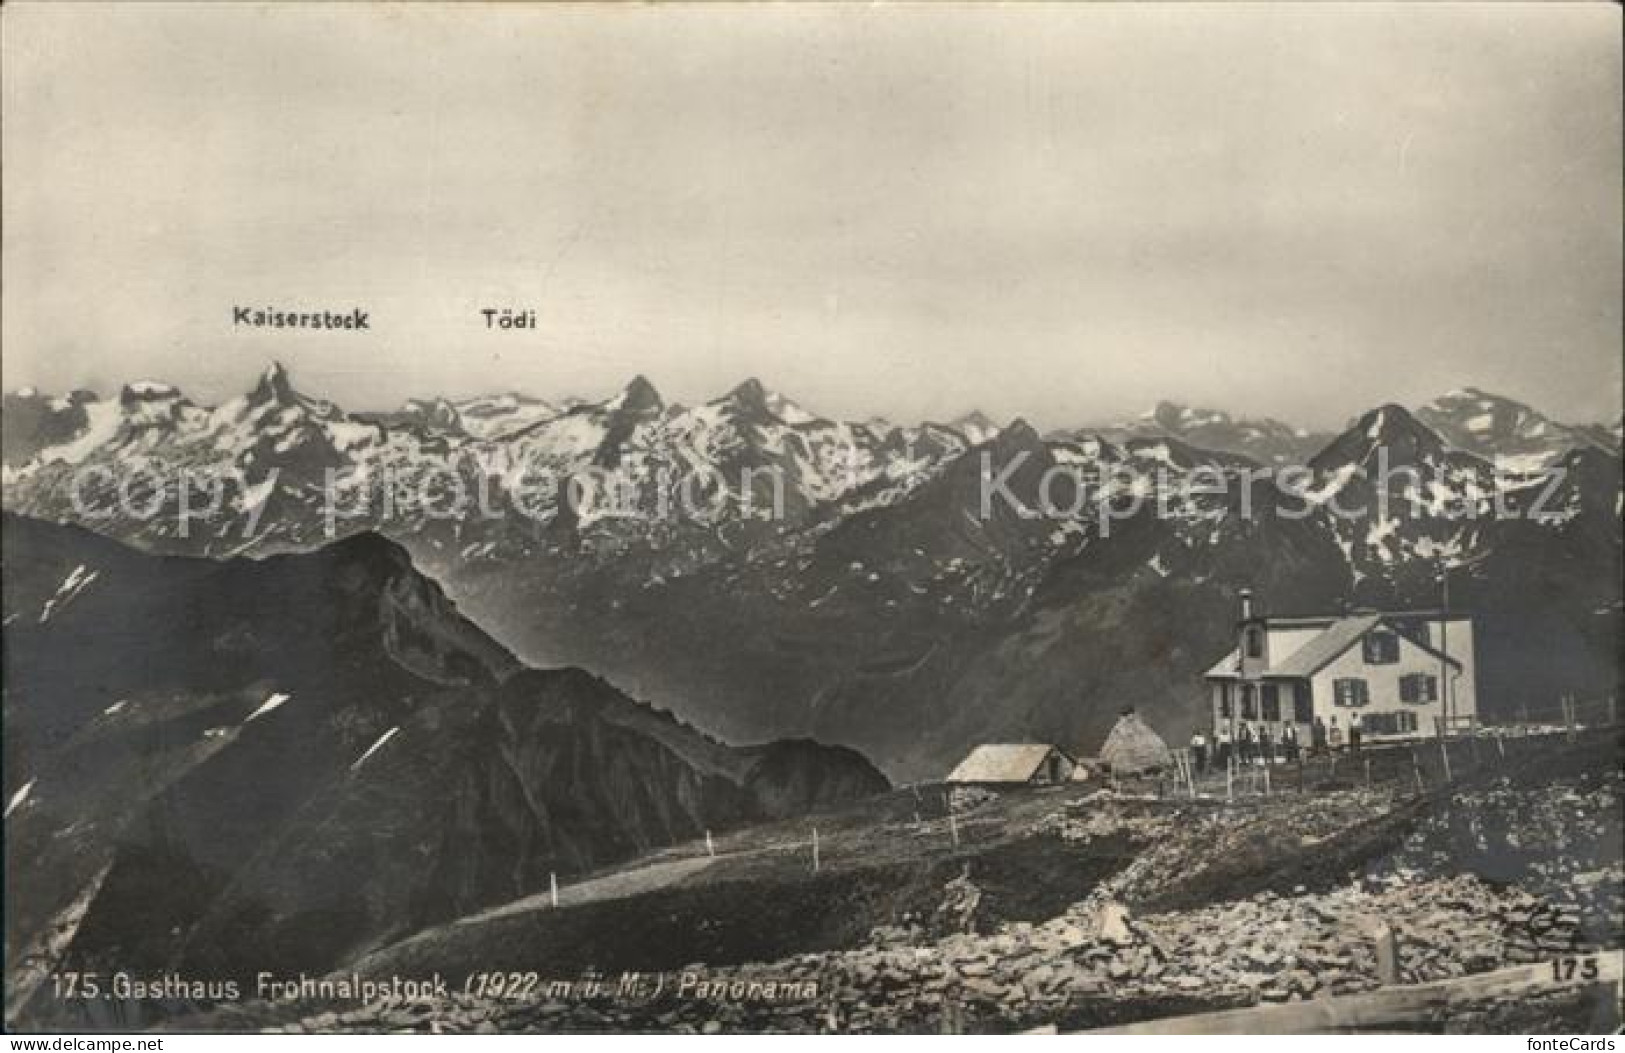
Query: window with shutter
{"points": [[1418, 688], [1271, 701], [1349, 692], [1224, 701], [1249, 702]]}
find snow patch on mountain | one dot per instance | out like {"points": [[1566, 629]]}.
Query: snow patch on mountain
{"points": [[19, 797], [375, 747], [76, 582], [271, 703]]}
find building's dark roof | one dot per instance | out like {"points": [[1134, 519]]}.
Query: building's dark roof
{"points": [[1340, 634], [1320, 650]]}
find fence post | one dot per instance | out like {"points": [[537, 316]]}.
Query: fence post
{"points": [[1568, 714], [953, 828], [1387, 955], [710, 846], [1444, 752], [815, 850], [1368, 773], [1501, 746], [1416, 767], [553, 887]]}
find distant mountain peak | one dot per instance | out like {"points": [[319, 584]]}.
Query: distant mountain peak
{"points": [[1264, 440], [750, 392], [147, 391], [437, 411], [754, 402], [1392, 421], [274, 386], [638, 396], [1389, 427], [1503, 429], [1018, 434], [1178, 418], [976, 426]]}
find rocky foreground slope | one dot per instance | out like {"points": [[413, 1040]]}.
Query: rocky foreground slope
{"points": [[1069, 908]]}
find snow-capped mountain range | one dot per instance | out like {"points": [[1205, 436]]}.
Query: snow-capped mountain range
{"points": [[1264, 440], [273, 449], [1510, 433], [848, 580]]}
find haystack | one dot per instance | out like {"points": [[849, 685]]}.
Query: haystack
{"points": [[1132, 747]]}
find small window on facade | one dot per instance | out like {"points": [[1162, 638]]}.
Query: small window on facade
{"points": [[1255, 643], [1349, 692], [1405, 722], [1270, 699], [1249, 702], [1418, 688], [1381, 648]]}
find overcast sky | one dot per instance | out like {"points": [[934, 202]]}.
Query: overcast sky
{"points": [[1059, 212]]}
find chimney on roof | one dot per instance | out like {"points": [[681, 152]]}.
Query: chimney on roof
{"points": [[1246, 604]]}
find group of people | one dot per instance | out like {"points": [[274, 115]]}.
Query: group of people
{"points": [[1266, 746]]}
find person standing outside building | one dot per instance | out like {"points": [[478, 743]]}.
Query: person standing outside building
{"points": [[1356, 733], [1289, 742], [1199, 751], [1334, 736]]}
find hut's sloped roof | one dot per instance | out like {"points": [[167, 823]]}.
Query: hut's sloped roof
{"points": [[1001, 762], [1133, 746]]}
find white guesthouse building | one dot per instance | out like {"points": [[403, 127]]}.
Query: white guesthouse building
{"points": [[1400, 671]]}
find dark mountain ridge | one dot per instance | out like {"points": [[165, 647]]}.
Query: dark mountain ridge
{"points": [[221, 766]]}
